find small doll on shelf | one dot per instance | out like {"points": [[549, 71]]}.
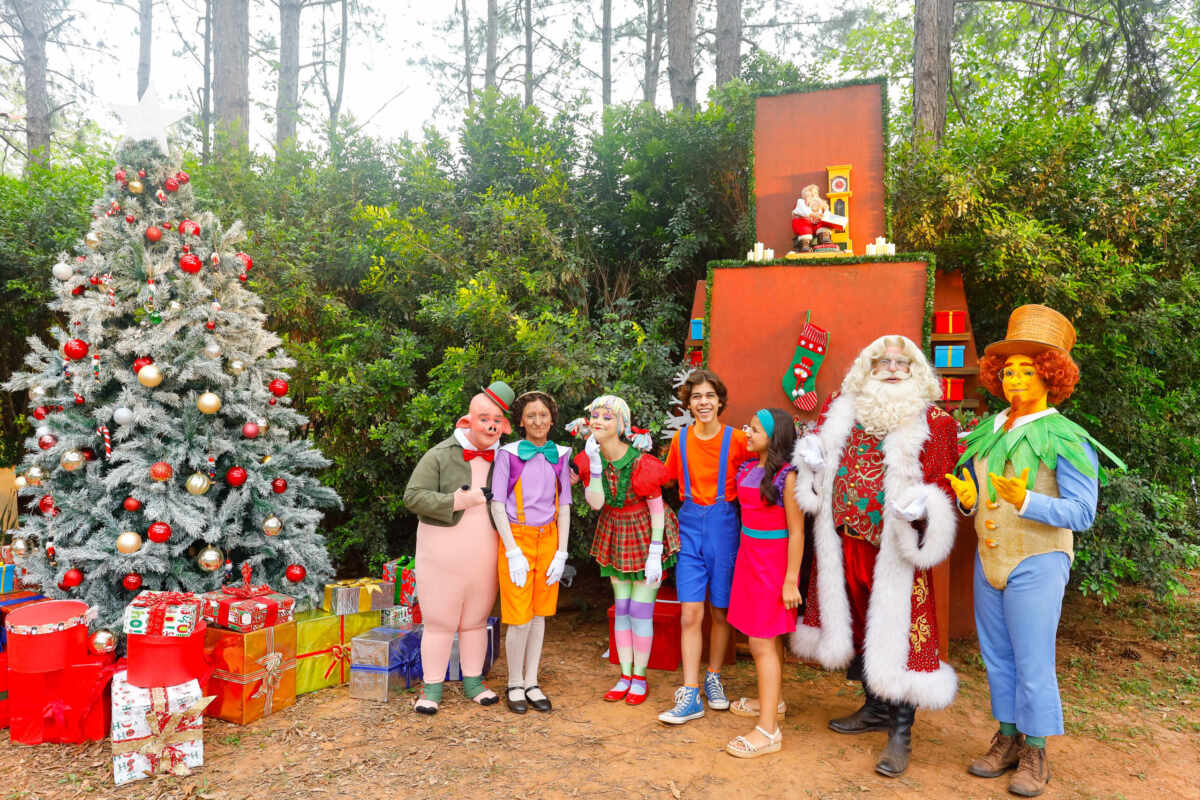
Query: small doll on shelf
{"points": [[811, 218]]}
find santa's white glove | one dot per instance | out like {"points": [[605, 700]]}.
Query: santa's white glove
{"points": [[810, 451], [910, 507], [653, 568], [555, 570], [592, 448], [518, 566]]}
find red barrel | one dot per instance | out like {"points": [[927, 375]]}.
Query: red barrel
{"points": [[47, 636]]}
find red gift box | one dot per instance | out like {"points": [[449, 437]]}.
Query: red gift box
{"points": [[47, 636], [67, 705], [949, 322], [952, 388], [247, 607], [664, 648], [168, 660]]}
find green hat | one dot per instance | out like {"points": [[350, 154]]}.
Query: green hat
{"points": [[501, 394]]}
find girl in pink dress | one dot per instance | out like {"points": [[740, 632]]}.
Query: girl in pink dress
{"points": [[766, 590]]}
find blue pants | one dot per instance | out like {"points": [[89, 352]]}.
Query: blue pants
{"points": [[708, 545], [1017, 628]]}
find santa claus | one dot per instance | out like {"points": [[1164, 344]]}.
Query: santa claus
{"points": [[873, 478]]}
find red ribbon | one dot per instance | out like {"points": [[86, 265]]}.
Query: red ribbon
{"points": [[247, 589], [159, 603]]}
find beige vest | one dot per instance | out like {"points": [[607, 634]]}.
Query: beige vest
{"points": [[1005, 538]]}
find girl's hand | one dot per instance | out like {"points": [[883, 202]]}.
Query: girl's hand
{"points": [[791, 595]]}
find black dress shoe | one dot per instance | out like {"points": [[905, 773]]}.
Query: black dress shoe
{"points": [[541, 704], [516, 706]]}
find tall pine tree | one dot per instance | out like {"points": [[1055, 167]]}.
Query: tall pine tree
{"points": [[164, 452]]}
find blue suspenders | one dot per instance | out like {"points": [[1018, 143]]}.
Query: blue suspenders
{"points": [[726, 438]]}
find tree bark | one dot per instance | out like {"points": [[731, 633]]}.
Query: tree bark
{"points": [[729, 40], [528, 53], [31, 22], [231, 73], [206, 91], [933, 28], [145, 39], [493, 26], [606, 54], [681, 42], [655, 13], [467, 65], [287, 100]]}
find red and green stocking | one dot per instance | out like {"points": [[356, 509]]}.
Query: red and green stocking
{"points": [[800, 381]]}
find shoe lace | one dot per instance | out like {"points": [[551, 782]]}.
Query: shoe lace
{"points": [[682, 698], [712, 685]]}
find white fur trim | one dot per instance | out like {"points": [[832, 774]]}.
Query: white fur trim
{"points": [[807, 487], [941, 524]]}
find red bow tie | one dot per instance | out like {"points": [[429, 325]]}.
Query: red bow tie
{"points": [[486, 455]]}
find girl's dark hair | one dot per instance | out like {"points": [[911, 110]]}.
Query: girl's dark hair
{"points": [[518, 407], [779, 452]]}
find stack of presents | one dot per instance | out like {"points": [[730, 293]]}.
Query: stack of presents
{"points": [[239, 653]]}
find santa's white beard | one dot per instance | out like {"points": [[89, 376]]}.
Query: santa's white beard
{"points": [[882, 407]]}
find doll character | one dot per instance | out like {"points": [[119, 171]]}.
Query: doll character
{"points": [[1030, 478], [531, 506], [637, 535], [456, 546], [807, 222]]}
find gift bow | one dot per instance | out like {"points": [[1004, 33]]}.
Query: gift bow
{"points": [[55, 713], [247, 589], [527, 450], [340, 654], [167, 730], [370, 584], [272, 664], [159, 603]]}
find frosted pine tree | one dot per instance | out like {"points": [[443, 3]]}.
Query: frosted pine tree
{"points": [[165, 452]]}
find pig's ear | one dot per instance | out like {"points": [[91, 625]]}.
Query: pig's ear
{"points": [[505, 427], [464, 421]]}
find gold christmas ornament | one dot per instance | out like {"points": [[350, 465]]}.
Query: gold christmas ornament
{"points": [[208, 403], [237, 367], [210, 559], [20, 548], [136, 187], [102, 642], [71, 460], [20, 482], [197, 483], [150, 376], [266, 459], [34, 476], [212, 350], [92, 239], [129, 542], [272, 525]]}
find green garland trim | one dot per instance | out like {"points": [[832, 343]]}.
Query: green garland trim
{"points": [[623, 466], [1042, 441]]}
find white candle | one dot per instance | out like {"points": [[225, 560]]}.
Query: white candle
{"points": [[758, 249], [749, 255], [871, 249], [880, 241], [891, 248], [770, 254]]}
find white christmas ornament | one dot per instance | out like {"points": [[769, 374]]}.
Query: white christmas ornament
{"points": [[122, 416], [63, 271], [149, 119], [212, 350]]}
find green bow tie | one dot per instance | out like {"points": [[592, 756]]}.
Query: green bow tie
{"points": [[527, 450]]}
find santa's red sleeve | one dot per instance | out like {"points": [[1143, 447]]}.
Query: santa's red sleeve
{"points": [[941, 450]]}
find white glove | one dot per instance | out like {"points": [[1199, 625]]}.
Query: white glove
{"points": [[810, 452], [592, 448], [653, 566], [518, 566], [555, 570], [910, 508]]}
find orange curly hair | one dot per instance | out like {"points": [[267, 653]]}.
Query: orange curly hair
{"points": [[1056, 369]]}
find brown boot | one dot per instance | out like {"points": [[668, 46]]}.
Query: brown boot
{"points": [[1033, 773], [1002, 756]]}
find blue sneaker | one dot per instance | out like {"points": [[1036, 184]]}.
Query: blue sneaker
{"points": [[715, 692], [687, 707]]}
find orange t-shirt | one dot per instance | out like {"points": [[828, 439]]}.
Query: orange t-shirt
{"points": [[703, 456]]}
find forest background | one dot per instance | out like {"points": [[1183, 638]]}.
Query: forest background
{"points": [[549, 232]]}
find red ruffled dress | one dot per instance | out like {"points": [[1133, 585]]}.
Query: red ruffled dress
{"points": [[622, 538], [756, 600]]}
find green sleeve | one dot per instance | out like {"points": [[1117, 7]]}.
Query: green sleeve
{"points": [[423, 497]]}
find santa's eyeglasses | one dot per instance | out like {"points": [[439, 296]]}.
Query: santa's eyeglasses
{"points": [[897, 363]]}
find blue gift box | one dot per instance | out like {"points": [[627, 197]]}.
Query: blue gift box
{"points": [[454, 670], [391, 656], [8, 577], [697, 328], [948, 355]]}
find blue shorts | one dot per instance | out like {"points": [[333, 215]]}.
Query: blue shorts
{"points": [[708, 545]]}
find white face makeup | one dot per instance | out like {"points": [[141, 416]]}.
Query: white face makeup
{"points": [[536, 420], [605, 424], [892, 367], [704, 402]]}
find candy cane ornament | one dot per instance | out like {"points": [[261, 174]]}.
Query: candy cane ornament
{"points": [[103, 431]]}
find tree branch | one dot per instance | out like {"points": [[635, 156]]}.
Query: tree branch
{"points": [[1047, 6]]}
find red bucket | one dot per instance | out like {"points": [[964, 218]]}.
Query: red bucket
{"points": [[46, 636], [166, 660]]}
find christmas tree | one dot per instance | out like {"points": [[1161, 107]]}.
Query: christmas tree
{"points": [[163, 456]]}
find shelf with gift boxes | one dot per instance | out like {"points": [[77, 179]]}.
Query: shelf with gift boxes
{"points": [[384, 662]]}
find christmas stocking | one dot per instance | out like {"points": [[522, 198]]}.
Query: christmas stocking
{"points": [[800, 381]]}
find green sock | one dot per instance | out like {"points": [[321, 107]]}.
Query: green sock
{"points": [[433, 692], [473, 686], [1008, 729], [1036, 741]]}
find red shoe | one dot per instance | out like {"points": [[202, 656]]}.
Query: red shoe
{"points": [[616, 694], [637, 699]]}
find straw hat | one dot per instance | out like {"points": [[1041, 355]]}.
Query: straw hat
{"points": [[1032, 329]]}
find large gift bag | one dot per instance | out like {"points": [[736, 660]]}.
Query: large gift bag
{"points": [[323, 647], [67, 705], [254, 673], [156, 730]]}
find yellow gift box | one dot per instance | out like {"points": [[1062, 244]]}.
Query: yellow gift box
{"points": [[362, 594], [323, 647]]}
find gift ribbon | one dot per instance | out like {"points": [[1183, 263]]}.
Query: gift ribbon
{"points": [[339, 651], [54, 627], [370, 584], [247, 589], [167, 731]]}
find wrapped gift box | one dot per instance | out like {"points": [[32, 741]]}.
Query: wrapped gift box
{"points": [[402, 618], [384, 661], [163, 614], [8, 577], [157, 730], [10, 602], [323, 647], [948, 355], [402, 572], [247, 608], [168, 660], [47, 636], [254, 673], [67, 705], [949, 322], [952, 388], [454, 669], [354, 596]]}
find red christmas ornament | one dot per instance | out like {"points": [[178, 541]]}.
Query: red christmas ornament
{"points": [[167, 225], [187, 248], [75, 349], [132, 581], [295, 573], [71, 578], [78, 290], [182, 177], [46, 504], [247, 261], [132, 504], [141, 173], [171, 185], [88, 454], [54, 512], [158, 532], [79, 399], [40, 413], [119, 176], [250, 430], [141, 362], [161, 471], [243, 277], [271, 401], [279, 486], [47, 441], [210, 325], [189, 228], [278, 387], [94, 280], [153, 233], [235, 476], [130, 218], [190, 263]]}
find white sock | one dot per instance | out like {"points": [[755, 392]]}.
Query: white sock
{"points": [[533, 653], [514, 652]]}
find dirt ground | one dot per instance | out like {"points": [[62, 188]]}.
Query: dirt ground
{"points": [[1129, 673]]}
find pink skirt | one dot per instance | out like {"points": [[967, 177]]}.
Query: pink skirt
{"points": [[756, 600]]}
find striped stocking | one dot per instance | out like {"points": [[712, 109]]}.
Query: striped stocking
{"points": [[622, 624], [641, 610]]}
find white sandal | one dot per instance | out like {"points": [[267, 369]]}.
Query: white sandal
{"points": [[742, 708], [741, 747]]}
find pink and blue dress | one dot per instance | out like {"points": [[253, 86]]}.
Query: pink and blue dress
{"points": [[756, 600]]}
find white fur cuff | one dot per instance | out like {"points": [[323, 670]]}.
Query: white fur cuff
{"points": [[941, 523]]}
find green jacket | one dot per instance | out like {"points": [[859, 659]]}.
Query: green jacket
{"points": [[430, 490]]}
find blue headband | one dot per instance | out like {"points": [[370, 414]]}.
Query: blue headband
{"points": [[768, 422]]}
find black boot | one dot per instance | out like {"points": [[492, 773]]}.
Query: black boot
{"points": [[873, 716], [894, 758]]}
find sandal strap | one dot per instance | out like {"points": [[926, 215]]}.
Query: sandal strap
{"points": [[746, 745], [770, 736]]}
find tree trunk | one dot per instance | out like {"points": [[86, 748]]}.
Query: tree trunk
{"points": [[335, 102], [528, 53], [231, 73], [467, 65], [653, 60], [145, 38], [287, 101], [933, 27], [729, 40], [493, 26], [32, 22], [206, 91], [681, 42], [606, 54]]}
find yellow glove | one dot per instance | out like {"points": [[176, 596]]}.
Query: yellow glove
{"points": [[1011, 490], [964, 489]]}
